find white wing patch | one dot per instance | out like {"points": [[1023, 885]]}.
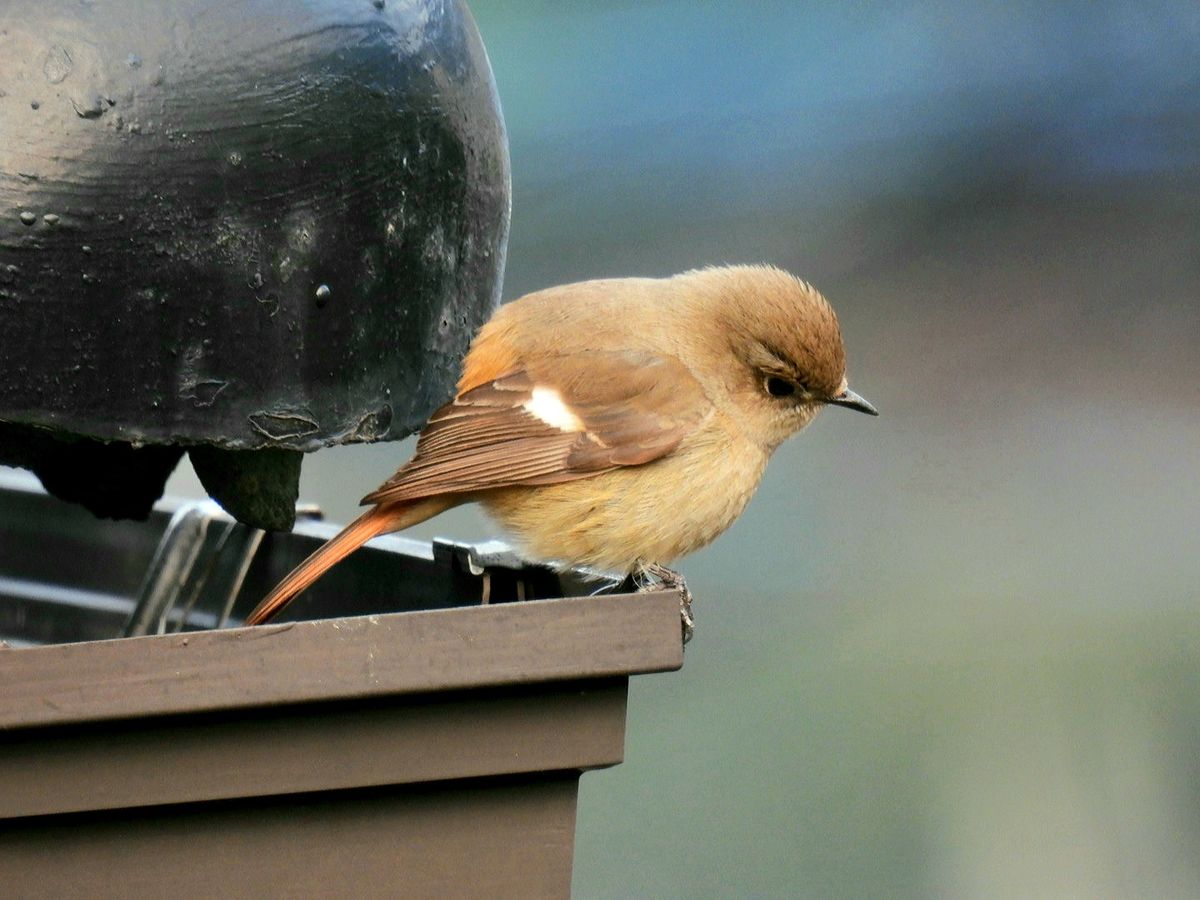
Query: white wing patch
{"points": [[547, 405]]}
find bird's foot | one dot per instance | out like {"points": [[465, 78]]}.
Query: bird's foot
{"points": [[653, 577]]}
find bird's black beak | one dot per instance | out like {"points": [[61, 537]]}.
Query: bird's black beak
{"points": [[851, 400]]}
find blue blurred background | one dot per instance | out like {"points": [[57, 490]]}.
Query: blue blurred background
{"points": [[954, 651]]}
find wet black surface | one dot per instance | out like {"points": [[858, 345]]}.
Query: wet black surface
{"points": [[246, 226]]}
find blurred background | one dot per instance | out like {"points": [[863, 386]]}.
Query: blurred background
{"points": [[954, 651]]}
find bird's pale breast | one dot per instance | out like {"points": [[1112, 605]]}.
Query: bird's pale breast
{"points": [[652, 513]]}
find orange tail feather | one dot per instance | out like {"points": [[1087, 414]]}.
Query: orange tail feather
{"points": [[374, 522]]}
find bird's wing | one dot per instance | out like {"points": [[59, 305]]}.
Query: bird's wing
{"points": [[564, 418]]}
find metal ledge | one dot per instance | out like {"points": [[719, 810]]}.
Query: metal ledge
{"points": [[341, 659], [403, 738]]}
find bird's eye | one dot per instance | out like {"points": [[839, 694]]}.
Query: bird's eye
{"points": [[779, 387]]}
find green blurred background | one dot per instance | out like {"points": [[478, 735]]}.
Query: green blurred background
{"points": [[954, 651]]}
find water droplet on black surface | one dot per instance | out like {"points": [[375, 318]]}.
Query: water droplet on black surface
{"points": [[323, 294], [28, 218]]}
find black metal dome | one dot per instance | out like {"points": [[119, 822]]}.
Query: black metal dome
{"points": [[240, 230]]}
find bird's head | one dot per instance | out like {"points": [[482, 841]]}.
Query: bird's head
{"points": [[783, 345]]}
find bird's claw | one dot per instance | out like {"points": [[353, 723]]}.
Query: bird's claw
{"points": [[653, 577], [687, 620]]}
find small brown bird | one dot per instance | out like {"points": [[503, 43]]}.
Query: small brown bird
{"points": [[615, 424]]}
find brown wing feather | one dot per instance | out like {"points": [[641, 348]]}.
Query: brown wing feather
{"points": [[634, 408]]}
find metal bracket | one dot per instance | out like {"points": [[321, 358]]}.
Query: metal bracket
{"points": [[197, 570], [477, 558], [484, 558], [184, 566]]}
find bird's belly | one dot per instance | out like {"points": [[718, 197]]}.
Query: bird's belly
{"points": [[652, 513]]}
